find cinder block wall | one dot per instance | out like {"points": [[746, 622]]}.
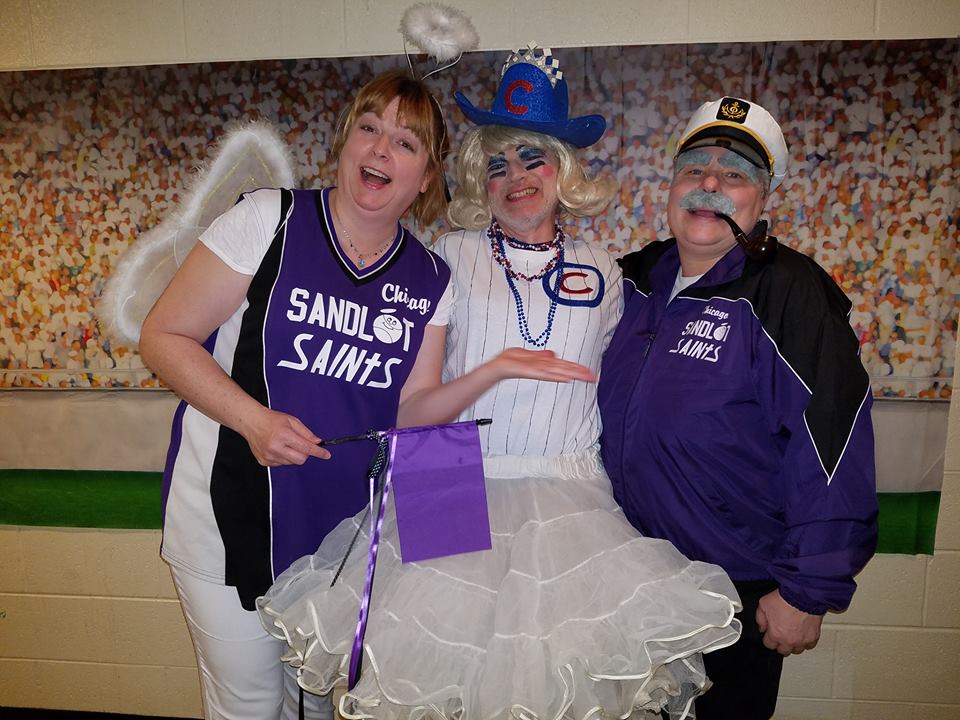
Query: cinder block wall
{"points": [[89, 618], [895, 654], [89, 621]]}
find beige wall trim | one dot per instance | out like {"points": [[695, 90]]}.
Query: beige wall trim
{"points": [[44, 34]]}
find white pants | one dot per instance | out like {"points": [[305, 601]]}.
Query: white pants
{"points": [[241, 675]]}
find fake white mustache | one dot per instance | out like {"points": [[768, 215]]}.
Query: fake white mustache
{"points": [[702, 200]]}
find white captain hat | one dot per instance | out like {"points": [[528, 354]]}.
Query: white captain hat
{"points": [[743, 127]]}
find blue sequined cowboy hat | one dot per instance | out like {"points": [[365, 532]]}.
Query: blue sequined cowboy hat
{"points": [[532, 95]]}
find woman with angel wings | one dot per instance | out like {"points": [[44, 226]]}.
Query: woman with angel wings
{"points": [[298, 315]]}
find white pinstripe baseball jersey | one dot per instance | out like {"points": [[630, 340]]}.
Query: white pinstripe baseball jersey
{"points": [[530, 417]]}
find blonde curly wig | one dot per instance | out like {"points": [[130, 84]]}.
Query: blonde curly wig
{"points": [[579, 195]]}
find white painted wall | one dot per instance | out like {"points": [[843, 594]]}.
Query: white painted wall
{"points": [[63, 34], [88, 618]]}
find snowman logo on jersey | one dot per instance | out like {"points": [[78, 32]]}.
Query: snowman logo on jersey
{"points": [[387, 327], [575, 285]]}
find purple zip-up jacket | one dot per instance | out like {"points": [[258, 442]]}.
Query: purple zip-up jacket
{"points": [[736, 421]]}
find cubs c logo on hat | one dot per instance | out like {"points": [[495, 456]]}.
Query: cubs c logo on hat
{"points": [[733, 109], [517, 108]]}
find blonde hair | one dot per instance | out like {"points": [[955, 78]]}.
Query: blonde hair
{"points": [[420, 112], [579, 195]]}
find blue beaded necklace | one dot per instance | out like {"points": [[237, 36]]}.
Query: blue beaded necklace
{"points": [[498, 240]]}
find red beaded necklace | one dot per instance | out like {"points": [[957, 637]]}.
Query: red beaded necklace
{"points": [[498, 239]]}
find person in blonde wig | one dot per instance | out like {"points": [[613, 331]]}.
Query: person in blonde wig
{"points": [[578, 195]]}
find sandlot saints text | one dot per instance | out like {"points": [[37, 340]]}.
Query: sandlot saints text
{"points": [[342, 360]]}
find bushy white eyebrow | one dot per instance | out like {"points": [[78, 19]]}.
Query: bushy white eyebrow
{"points": [[733, 160], [691, 157]]}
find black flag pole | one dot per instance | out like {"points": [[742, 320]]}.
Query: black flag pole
{"points": [[374, 434]]}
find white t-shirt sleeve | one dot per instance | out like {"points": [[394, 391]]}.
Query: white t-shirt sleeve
{"points": [[441, 315], [240, 237]]}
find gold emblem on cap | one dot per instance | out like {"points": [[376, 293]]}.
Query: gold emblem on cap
{"points": [[733, 110]]}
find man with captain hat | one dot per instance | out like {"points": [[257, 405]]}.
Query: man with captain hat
{"points": [[736, 412]]}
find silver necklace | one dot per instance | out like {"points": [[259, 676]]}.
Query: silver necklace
{"points": [[361, 262]]}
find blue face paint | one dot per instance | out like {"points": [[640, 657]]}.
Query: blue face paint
{"points": [[496, 167], [702, 200], [531, 157]]}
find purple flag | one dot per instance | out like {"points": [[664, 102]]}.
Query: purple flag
{"points": [[441, 502], [440, 495]]}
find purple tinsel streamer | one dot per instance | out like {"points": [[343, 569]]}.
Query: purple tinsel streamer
{"points": [[356, 655]]}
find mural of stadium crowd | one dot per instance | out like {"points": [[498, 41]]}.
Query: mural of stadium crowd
{"points": [[92, 158]]}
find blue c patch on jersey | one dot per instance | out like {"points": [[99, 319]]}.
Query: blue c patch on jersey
{"points": [[578, 286]]}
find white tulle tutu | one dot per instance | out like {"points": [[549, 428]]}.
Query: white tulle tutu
{"points": [[572, 614]]}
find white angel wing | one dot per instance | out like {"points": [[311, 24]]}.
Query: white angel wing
{"points": [[248, 157]]}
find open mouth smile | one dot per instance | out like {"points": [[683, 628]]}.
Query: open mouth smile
{"points": [[374, 176], [521, 194]]}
